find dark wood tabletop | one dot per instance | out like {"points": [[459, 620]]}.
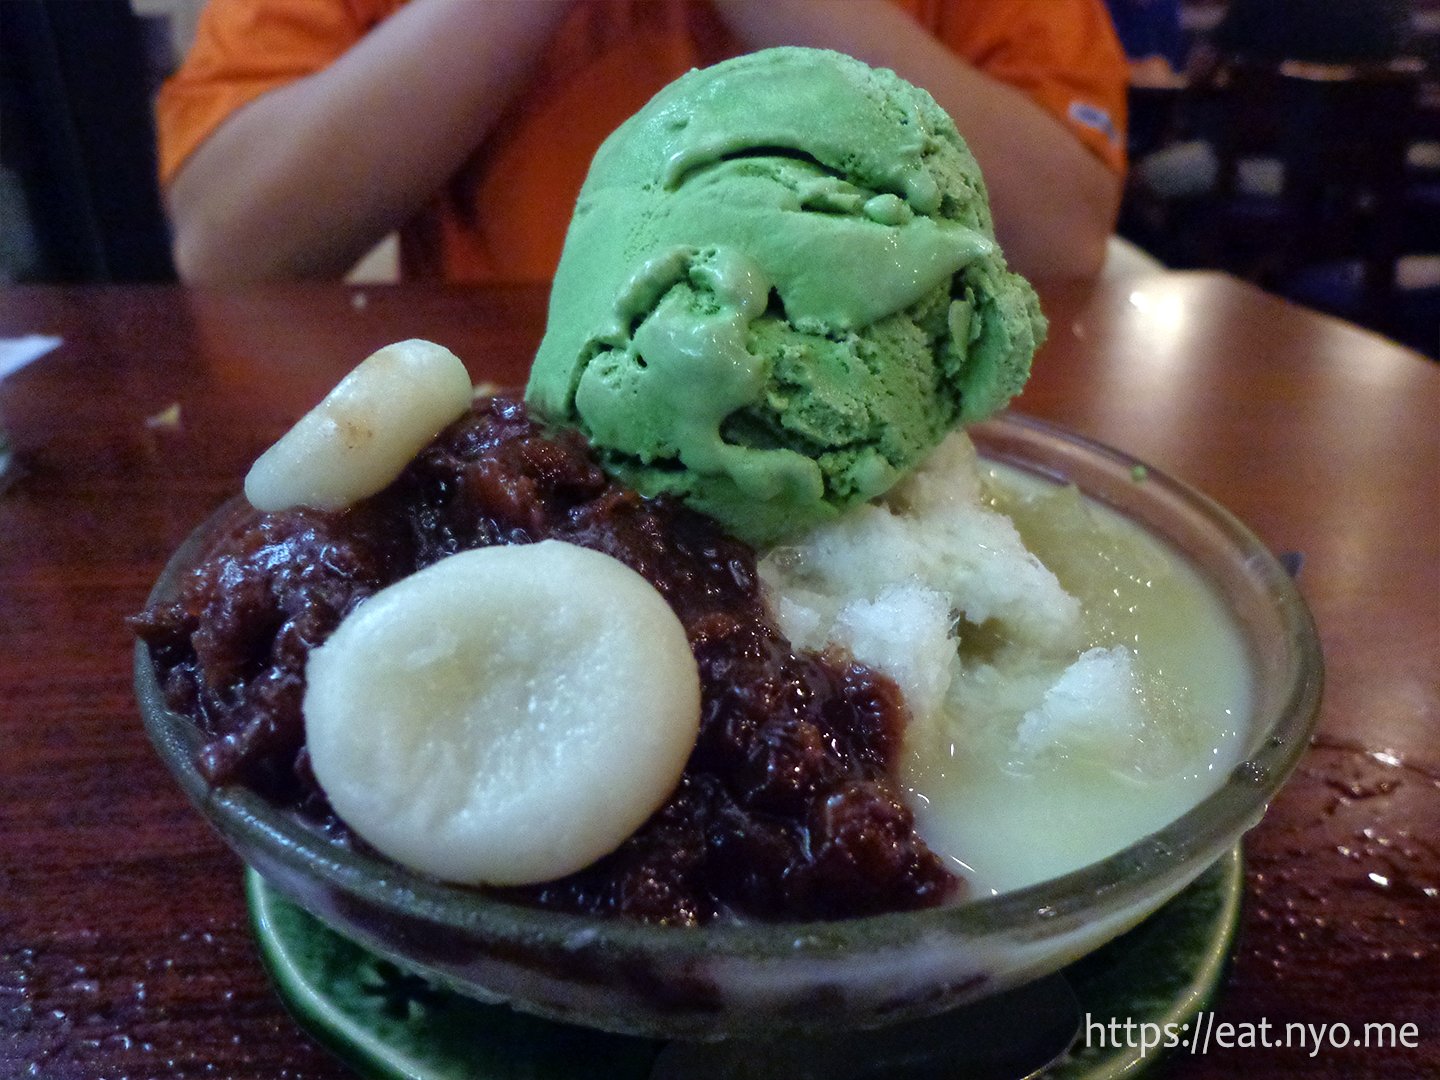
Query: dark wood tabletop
{"points": [[124, 946]]}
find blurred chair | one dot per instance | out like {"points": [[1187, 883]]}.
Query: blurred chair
{"points": [[1339, 136], [79, 142]]}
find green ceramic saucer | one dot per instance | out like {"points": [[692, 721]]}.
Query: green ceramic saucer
{"points": [[389, 1024]]}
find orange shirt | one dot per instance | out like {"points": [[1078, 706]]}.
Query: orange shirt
{"points": [[503, 218]]}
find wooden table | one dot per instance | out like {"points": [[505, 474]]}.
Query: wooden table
{"points": [[124, 949]]}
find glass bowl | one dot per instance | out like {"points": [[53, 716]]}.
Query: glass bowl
{"points": [[760, 979]]}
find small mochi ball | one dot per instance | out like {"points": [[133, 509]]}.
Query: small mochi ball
{"points": [[505, 716], [365, 431]]}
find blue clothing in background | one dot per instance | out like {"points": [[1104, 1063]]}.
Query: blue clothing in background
{"points": [[1150, 28]]}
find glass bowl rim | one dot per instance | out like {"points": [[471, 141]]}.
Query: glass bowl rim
{"points": [[1208, 827]]}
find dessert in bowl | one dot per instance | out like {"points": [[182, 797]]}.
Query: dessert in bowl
{"points": [[704, 396], [750, 976]]}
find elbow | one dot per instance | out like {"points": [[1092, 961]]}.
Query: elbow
{"points": [[217, 237], [204, 254], [1087, 255], [217, 220], [194, 249], [1101, 195], [194, 244], [191, 256], [1073, 250], [1070, 240], [240, 249], [1093, 211]]}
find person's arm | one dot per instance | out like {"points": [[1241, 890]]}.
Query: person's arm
{"points": [[303, 180], [1054, 202]]}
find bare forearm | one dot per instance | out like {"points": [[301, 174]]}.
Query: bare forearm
{"points": [[303, 180], [1054, 203]]}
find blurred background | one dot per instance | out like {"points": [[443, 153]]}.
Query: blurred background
{"points": [[1293, 143]]}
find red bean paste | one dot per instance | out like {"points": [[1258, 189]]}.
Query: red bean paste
{"points": [[786, 809]]}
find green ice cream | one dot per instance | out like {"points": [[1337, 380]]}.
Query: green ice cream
{"points": [[780, 289]]}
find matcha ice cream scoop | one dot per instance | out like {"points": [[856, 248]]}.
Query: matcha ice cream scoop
{"points": [[780, 289]]}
